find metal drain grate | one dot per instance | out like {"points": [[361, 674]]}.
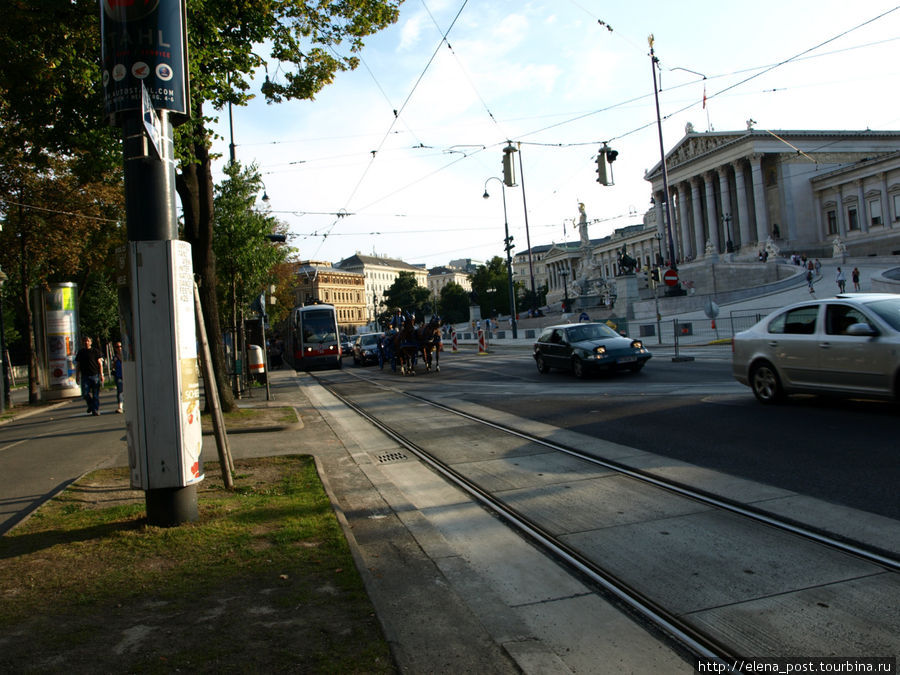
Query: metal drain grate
{"points": [[386, 457]]}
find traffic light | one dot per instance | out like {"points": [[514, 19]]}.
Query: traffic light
{"points": [[601, 169], [509, 166], [654, 277], [606, 156], [509, 245]]}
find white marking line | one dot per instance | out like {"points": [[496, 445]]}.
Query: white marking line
{"points": [[12, 445]]}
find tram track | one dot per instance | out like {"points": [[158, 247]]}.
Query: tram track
{"points": [[834, 560]]}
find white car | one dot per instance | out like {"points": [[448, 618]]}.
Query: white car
{"points": [[849, 345]]}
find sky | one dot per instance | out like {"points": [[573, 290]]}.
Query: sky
{"points": [[557, 79]]}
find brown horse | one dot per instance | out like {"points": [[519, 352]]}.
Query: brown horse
{"points": [[429, 338], [405, 347]]}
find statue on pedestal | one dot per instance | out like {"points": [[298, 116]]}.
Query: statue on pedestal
{"points": [[838, 248]]}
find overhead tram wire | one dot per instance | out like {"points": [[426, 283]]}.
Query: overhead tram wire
{"points": [[398, 112], [461, 67]]}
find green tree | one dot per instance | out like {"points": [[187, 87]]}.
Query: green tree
{"points": [[454, 303], [60, 162], [59, 228], [491, 284], [406, 294], [533, 300], [247, 259], [99, 308]]}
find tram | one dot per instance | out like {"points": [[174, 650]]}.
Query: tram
{"points": [[312, 339]]}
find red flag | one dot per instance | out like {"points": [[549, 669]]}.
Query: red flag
{"points": [[704, 95]]}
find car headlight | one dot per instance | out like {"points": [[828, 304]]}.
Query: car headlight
{"points": [[637, 344], [599, 350]]}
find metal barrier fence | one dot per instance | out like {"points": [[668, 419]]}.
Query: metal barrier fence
{"points": [[696, 331]]}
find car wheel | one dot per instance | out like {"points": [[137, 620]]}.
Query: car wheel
{"points": [[542, 366], [765, 383], [578, 368]]}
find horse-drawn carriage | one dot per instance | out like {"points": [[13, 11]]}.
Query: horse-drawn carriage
{"points": [[404, 344]]}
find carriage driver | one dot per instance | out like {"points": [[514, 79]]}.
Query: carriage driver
{"points": [[397, 319]]}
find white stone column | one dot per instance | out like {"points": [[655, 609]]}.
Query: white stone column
{"points": [[726, 207], [686, 240], [887, 216], [741, 218], [817, 205], [698, 217], [711, 212], [660, 214], [842, 221], [759, 198], [863, 209]]}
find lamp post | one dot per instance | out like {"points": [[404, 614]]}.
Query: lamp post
{"points": [[527, 235], [512, 297], [729, 243], [4, 385], [564, 273]]}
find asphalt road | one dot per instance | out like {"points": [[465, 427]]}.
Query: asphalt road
{"points": [[42, 453], [837, 450]]}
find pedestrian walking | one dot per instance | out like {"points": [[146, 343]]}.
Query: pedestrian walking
{"points": [[840, 279], [809, 281], [854, 276], [117, 374], [818, 266], [89, 373]]}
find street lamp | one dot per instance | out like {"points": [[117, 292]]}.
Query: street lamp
{"points": [[507, 243], [564, 273], [729, 243], [4, 366]]}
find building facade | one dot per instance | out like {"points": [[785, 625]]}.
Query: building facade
{"points": [[438, 277], [729, 192], [379, 274], [320, 281]]}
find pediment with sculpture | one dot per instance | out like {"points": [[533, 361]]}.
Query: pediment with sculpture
{"points": [[694, 145]]}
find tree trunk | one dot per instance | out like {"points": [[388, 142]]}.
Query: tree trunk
{"points": [[34, 392], [195, 187]]}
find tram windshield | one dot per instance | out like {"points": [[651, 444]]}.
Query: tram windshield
{"points": [[318, 326]]}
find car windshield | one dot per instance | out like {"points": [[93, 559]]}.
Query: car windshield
{"points": [[369, 340], [591, 331], [888, 310]]}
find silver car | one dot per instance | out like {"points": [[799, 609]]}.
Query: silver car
{"points": [[849, 344]]}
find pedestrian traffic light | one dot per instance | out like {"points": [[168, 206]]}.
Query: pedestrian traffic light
{"points": [[509, 166]]}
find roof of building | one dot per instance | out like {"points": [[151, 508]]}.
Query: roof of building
{"points": [[447, 270], [362, 261], [719, 140]]}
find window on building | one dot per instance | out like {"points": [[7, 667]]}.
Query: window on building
{"points": [[897, 207], [831, 218], [852, 219]]}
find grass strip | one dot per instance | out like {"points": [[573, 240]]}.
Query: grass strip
{"points": [[263, 582]]}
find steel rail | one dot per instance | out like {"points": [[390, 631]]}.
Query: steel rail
{"points": [[700, 644]]}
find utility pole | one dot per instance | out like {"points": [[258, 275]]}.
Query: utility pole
{"points": [[143, 95], [662, 153]]}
